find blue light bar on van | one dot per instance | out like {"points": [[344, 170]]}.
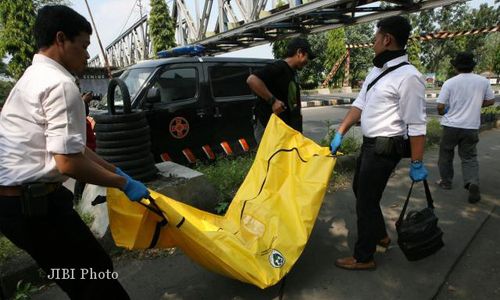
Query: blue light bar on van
{"points": [[190, 50]]}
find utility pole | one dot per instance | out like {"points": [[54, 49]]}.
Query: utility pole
{"points": [[106, 62]]}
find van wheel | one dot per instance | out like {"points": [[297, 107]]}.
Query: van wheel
{"points": [[119, 135], [120, 118], [120, 126], [140, 141], [123, 150]]}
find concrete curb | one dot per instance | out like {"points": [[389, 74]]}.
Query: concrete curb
{"points": [[334, 101]]}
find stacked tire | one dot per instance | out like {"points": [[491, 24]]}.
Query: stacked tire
{"points": [[123, 138]]}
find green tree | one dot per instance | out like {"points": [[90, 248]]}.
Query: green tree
{"points": [[161, 26], [315, 71], [484, 46], [16, 39], [5, 87], [436, 54], [361, 58], [279, 48], [414, 49], [488, 56], [414, 46], [17, 19], [335, 50]]}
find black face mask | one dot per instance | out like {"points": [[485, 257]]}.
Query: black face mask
{"points": [[386, 56]]}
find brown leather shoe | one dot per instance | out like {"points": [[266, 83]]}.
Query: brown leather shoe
{"points": [[350, 263]]}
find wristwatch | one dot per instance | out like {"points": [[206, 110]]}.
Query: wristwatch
{"points": [[416, 161], [271, 100]]}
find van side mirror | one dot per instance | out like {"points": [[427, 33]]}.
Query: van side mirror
{"points": [[153, 95]]}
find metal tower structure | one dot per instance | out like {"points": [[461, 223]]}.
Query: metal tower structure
{"points": [[239, 24]]}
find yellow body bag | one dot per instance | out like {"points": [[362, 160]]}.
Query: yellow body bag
{"points": [[267, 224]]}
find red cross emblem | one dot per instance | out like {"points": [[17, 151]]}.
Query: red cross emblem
{"points": [[179, 127]]}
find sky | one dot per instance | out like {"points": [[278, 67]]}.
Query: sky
{"points": [[112, 17]]}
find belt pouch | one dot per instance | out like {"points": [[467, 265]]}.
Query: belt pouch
{"points": [[34, 201], [384, 146]]}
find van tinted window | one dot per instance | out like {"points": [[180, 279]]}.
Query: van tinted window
{"points": [[229, 81], [178, 84], [134, 79]]}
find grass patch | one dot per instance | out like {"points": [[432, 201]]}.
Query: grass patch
{"points": [[119, 254], [7, 249], [350, 144], [87, 218], [434, 132], [24, 290], [325, 142], [226, 174]]}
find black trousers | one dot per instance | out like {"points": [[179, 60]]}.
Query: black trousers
{"points": [[61, 240], [370, 178]]}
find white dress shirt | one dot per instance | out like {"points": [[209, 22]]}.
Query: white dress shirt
{"points": [[396, 101], [43, 115], [464, 95]]}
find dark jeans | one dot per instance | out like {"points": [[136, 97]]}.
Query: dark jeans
{"points": [[61, 239], [370, 178], [466, 139]]}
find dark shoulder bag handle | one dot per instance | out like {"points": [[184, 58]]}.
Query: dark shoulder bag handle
{"points": [[388, 70], [428, 196]]}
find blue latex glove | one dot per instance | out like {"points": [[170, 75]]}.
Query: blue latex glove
{"points": [[134, 189], [418, 172], [446, 109], [336, 142], [121, 173]]}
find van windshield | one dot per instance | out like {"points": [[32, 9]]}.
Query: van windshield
{"points": [[134, 79]]}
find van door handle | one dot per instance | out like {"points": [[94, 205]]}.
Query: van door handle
{"points": [[200, 112], [217, 113]]}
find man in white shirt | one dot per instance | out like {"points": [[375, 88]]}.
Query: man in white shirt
{"points": [[460, 101], [391, 107], [42, 143]]}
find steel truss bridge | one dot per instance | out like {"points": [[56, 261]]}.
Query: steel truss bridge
{"points": [[240, 24]]}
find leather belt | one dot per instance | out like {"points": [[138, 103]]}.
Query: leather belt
{"points": [[17, 190], [371, 140]]}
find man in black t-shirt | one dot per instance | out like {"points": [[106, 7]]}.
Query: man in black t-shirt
{"points": [[278, 89]]}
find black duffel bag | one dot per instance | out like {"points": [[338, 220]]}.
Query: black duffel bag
{"points": [[418, 233]]}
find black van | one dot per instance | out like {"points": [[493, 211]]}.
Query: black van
{"points": [[196, 107]]}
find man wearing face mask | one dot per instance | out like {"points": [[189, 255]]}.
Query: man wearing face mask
{"points": [[277, 87], [391, 108]]}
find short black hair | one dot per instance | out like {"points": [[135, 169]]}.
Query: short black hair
{"points": [[464, 62], [299, 43], [54, 18], [398, 26]]}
